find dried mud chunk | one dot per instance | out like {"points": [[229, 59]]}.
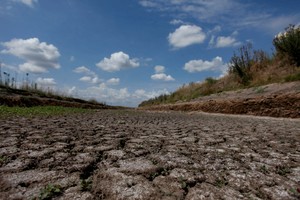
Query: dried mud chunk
{"points": [[191, 178], [16, 165], [276, 193], [138, 166], [111, 184], [173, 160], [114, 155], [169, 188], [30, 176], [210, 192]]}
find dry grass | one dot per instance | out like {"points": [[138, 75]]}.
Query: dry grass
{"points": [[267, 71]]}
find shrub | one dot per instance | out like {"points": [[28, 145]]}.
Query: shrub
{"points": [[288, 43], [50, 191], [210, 81], [240, 63]]}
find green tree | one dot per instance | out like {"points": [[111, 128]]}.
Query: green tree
{"points": [[288, 43]]}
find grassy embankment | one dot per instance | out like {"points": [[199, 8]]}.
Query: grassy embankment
{"points": [[6, 111], [247, 68]]}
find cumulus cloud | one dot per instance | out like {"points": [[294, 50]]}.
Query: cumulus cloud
{"points": [[112, 96], [199, 65], [39, 56], [142, 94], [29, 3], [89, 79], [90, 76], [162, 77], [186, 35], [103, 93], [223, 41], [83, 69], [113, 81], [45, 81], [86, 79], [159, 69], [176, 22], [117, 62]]}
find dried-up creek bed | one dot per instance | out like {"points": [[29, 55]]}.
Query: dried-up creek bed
{"points": [[120, 154]]}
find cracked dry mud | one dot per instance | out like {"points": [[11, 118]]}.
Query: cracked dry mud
{"points": [[150, 155]]}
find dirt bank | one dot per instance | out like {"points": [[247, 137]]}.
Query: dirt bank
{"points": [[120, 154], [276, 100], [24, 98]]}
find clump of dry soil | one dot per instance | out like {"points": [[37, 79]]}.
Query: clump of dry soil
{"points": [[119, 154]]}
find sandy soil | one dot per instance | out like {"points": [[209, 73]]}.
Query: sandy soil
{"points": [[275, 100], [120, 154]]}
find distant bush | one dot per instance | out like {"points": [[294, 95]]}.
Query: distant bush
{"points": [[288, 43], [241, 62], [210, 81], [294, 77]]}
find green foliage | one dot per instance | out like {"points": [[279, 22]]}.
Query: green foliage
{"points": [[2, 160], [221, 182], [211, 81], [6, 111], [240, 63], [86, 184], [293, 77], [50, 191], [288, 43], [283, 170]]}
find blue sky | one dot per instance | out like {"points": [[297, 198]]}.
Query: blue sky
{"points": [[125, 51]]}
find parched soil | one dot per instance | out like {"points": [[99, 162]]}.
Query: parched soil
{"points": [[127, 154], [275, 100]]}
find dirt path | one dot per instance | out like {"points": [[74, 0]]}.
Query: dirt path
{"points": [[149, 155]]}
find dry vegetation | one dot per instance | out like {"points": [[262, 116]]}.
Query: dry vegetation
{"points": [[247, 68]]}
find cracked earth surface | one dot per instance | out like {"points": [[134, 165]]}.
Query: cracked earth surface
{"points": [[128, 154]]}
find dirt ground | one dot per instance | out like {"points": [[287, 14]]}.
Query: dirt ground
{"points": [[275, 100], [129, 154]]}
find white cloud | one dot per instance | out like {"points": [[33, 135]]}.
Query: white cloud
{"points": [[90, 76], [105, 94], [279, 23], [149, 4], [199, 65], [142, 94], [162, 77], [111, 96], [113, 81], [186, 35], [72, 58], [229, 41], [86, 79], [29, 3], [159, 69], [39, 56], [233, 13], [117, 62], [45, 82], [82, 69], [89, 79], [176, 22]]}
